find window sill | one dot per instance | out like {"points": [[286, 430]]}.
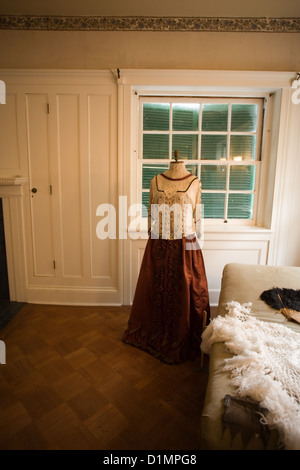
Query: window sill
{"points": [[229, 228], [223, 232], [236, 233]]}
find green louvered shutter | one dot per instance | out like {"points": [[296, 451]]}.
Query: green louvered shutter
{"points": [[219, 141]]}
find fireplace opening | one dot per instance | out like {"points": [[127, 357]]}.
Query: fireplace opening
{"points": [[4, 286], [8, 308]]}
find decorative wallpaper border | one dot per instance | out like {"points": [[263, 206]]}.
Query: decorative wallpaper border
{"points": [[151, 24]]}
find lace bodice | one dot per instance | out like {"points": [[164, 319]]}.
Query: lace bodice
{"points": [[174, 206]]}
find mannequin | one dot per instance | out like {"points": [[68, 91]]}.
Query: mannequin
{"points": [[171, 302], [177, 168]]}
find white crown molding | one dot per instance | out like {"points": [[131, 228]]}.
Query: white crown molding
{"points": [[209, 79], [139, 78], [57, 77]]}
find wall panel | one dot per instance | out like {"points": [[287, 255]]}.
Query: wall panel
{"points": [[216, 254], [102, 183], [39, 176], [70, 184]]}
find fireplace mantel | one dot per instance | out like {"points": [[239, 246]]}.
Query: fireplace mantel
{"points": [[11, 186]]}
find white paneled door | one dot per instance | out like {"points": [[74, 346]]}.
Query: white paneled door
{"points": [[72, 168]]}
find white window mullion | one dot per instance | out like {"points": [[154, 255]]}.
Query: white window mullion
{"points": [[171, 132], [227, 191], [227, 164], [199, 140]]}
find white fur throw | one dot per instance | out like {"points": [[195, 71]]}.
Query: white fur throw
{"points": [[265, 366]]}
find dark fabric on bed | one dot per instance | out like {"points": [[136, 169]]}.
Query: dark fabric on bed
{"points": [[244, 415], [282, 298]]}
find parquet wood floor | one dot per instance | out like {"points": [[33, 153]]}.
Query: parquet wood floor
{"points": [[69, 382]]}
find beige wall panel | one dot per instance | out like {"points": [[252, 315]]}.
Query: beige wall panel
{"points": [[137, 250], [166, 50], [38, 154], [288, 246], [70, 184], [9, 150], [102, 180]]}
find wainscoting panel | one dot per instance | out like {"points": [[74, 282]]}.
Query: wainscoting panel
{"points": [[68, 132], [216, 254], [41, 217]]}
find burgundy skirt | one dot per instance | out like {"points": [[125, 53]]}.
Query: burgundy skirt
{"points": [[168, 311]]}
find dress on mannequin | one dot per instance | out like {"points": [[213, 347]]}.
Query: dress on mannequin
{"points": [[171, 302]]}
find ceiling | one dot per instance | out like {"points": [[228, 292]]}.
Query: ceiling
{"points": [[196, 8]]}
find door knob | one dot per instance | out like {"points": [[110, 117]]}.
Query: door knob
{"points": [[34, 190]]}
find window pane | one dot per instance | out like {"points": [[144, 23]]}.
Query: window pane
{"points": [[216, 138], [145, 202], [242, 147], [187, 146], [213, 147], [156, 117], [155, 146], [213, 205], [185, 117], [244, 117], [149, 171], [192, 169], [214, 117], [242, 177], [213, 176], [240, 206]]}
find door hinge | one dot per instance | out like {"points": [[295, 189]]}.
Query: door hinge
{"points": [[54, 265], [48, 108], [50, 189]]}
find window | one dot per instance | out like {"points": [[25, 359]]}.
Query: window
{"points": [[220, 141]]}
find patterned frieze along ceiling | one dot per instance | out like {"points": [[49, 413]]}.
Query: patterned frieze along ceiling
{"points": [[150, 24]]}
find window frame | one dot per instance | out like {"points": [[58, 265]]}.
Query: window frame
{"points": [[257, 162]]}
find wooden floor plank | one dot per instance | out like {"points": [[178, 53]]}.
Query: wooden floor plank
{"points": [[69, 382]]}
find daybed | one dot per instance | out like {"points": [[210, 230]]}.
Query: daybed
{"points": [[242, 283]]}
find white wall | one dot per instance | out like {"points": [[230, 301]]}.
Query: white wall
{"points": [[287, 247], [88, 145], [142, 50], [64, 68]]}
